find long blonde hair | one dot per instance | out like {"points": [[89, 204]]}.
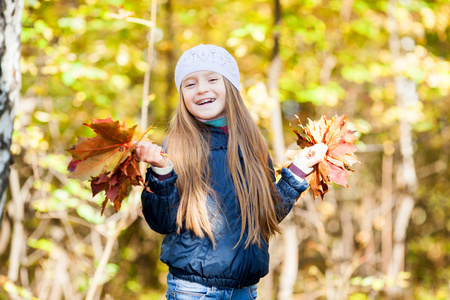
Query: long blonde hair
{"points": [[188, 147]]}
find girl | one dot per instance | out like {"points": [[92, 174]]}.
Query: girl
{"points": [[216, 199]]}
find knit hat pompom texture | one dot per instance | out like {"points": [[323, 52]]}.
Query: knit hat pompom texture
{"points": [[207, 58]]}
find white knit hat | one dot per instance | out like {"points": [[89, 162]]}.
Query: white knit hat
{"points": [[207, 58]]}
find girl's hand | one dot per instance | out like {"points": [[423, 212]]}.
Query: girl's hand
{"points": [[152, 154], [312, 155]]}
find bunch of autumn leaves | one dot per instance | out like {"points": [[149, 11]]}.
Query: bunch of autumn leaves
{"points": [[108, 160], [339, 158]]}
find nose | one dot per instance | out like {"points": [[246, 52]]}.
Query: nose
{"points": [[202, 87]]}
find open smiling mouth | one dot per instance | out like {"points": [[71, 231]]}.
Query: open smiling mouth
{"points": [[206, 101]]}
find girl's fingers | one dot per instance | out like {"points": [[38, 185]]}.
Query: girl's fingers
{"points": [[152, 154], [144, 151]]}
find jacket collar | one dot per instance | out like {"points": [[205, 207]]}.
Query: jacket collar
{"points": [[218, 138]]}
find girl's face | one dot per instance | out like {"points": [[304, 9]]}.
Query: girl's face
{"points": [[204, 94]]}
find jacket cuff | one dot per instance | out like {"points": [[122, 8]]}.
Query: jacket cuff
{"points": [[299, 169], [162, 188], [162, 173], [288, 179]]}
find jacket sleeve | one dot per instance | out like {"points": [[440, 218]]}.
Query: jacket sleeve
{"points": [[160, 206], [289, 189]]}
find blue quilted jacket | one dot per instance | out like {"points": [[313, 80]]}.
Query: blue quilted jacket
{"points": [[194, 259]]}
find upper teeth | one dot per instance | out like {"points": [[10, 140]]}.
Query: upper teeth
{"points": [[205, 100]]}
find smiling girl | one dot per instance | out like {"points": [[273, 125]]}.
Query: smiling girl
{"points": [[216, 199]]}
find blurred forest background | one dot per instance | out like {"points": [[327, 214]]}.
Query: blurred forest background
{"points": [[384, 63]]}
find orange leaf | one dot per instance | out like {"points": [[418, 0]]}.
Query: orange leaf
{"points": [[93, 166], [336, 130]]}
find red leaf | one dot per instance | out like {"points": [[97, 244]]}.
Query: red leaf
{"points": [[338, 174], [341, 149], [99, 184]]}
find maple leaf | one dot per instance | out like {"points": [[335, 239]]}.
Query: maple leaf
{"points": [[108, 160], [339, 158]]}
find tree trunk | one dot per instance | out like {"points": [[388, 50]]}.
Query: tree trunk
{"points": [[406, 186], [148, 71], [18, 240], [170, 57], [10, 83], [273, 75], [289, 266], [386, 207], [406, 95]]}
